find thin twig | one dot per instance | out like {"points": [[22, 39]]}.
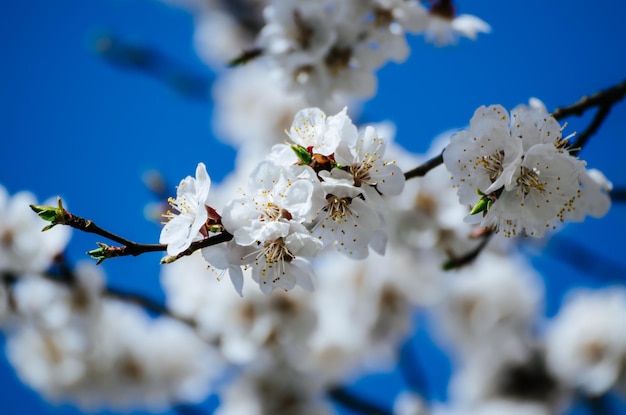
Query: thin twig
{"points": [[460, 261], [245, 57], [349, 400], [596, 123], [603, 99], [136, 249], [584, 259], [155, 63], [599, 405], [147, 304], [68, 279], [608, 97], [424, 168], [60, 216]]}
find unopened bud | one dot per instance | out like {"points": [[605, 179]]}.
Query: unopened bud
{"points": [[56, 215], [303, 155], [482, 205], [99, 253]]}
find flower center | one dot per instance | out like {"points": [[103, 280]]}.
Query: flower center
{"points": [[276, 255], [361, 171], [273, 213], [492, 164], [529, 180], [337, 208]]}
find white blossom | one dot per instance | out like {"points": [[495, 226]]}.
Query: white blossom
{"points": [[269, 221], [274, 392], [519, 174], [24, 248], [313, 130], [119, 358], [489, 308], [586, 342], [252, 111], [496, 407], [363, 158], [392, 18], [345, 221], [545, 192], [484, 157], [191, 214], [444, 29]]}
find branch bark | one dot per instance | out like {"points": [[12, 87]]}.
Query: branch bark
{"points": [[602, 98]]}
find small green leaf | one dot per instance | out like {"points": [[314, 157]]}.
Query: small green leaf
{"points": [[303, 155], [482, 205], [448, 265], [99, 252], [56, 215], [47, 213]]}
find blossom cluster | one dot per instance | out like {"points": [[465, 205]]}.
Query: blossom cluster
{"points": [[70, 342], [326, 195], [518, 175], [325, 189], [328, 50], [332, 48]]}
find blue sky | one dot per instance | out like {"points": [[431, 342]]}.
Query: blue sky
{"points": [[73, 125]]}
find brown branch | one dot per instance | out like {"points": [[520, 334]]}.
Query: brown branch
{"points": [[603, 99], [105, 251], [469, 257], [596, 123], [424, 168], [349, 400], [147, 304], [203, 243], [60, 216], [607, 97], [68, 279], [245, 57], [618, 195], [155, 63]]}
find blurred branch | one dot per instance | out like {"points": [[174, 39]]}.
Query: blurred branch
{"points": [[585, 260], [596, 123], [67, 277], [469, 257], [598, 405], [245, 57], [248, 13], [147, 304], [155, 63], [184, 409], [618, 195], [351, 401], [424, 168]]}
